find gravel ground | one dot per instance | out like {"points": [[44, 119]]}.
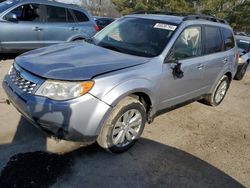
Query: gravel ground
{"points": [[193, 146]]}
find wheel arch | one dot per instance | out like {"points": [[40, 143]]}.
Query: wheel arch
{"points": [[77, 37], [141, 94], [142, 89], [229, 75]]}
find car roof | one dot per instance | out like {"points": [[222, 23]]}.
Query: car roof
{"points": [[50, 2], [168, 18], [103, 18], [242, 37], [177, 18]]}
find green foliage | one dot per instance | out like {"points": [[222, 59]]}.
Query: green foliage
{"points": [[239, 18], [128, 6], [235, 11]]}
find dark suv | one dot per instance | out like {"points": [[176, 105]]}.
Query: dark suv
{"points": [[30, 24]]}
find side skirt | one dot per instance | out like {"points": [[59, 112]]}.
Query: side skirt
{"points": [[168, 109]]}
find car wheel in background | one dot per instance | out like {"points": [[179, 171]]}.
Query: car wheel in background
{"points": [[241, 73], [124, 126]]}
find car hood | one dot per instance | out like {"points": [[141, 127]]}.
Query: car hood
{"points": [[75, 61]]}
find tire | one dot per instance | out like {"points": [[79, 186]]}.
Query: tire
{"points": [[242, 72], [219, 93], [115, 136]]}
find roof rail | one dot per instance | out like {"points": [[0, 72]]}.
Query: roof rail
{"points": [[160, 12], [204, 17], [187, 16]]}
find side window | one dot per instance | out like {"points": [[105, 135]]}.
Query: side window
{"points": [[80, 16], [243, 45], [228, 39], [213, 40], [56, 14], [188, 44], [28, 12], [69, 16]]}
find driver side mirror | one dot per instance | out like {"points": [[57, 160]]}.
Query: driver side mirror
{"points": [[11, 17], [176, 70]]}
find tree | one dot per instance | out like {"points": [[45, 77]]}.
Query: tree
{"points": [[239, 17], [235, 11], [128, 6]]}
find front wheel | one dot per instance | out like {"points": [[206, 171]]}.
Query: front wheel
{"points": [[219, 93], [124, 126]]}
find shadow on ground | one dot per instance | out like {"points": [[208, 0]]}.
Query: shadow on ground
{"points": [[9, 56], [147, 164]]}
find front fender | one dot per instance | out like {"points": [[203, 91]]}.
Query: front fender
{"points": [[129, 87]]}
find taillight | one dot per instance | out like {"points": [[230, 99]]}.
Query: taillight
{"points": [[97, 28], [238, 56]]}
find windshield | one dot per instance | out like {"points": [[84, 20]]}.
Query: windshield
{"points": [[244, 45], [5, 5], [136, 36]]}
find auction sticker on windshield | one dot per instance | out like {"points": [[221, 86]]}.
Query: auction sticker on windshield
{"points": [[165, 26]]}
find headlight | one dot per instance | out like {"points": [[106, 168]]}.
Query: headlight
{"points": [[64, 90], [240, 61]]}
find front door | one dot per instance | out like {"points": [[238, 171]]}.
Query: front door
{"points": [[59, 25], [187, 50], [24, 33]]}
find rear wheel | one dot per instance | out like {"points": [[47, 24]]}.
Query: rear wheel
{"points": [[219, 93], [124, 126]]}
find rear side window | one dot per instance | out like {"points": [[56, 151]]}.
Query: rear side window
{"points": [[244, 45], [213, 40], [70, 17], [228, 39], [56, 14], [80, 16]]}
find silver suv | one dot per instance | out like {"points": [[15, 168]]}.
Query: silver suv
{"points": [[107, 88], [30, 24]]}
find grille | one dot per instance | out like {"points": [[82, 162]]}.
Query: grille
{"points": [[20, 82]]}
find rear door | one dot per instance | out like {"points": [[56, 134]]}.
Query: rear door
{"points": [[85, 23], [219, 53], [215, 58], [59, 25], [187, 50], [24, 33]]}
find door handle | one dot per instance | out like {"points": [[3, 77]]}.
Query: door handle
{"points": [[200, 66], [74, 29], [225, 61], [37, 29]]}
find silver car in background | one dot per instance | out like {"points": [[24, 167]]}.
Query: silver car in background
{"points": [[30, 24], [243, 43], [138, 67]]}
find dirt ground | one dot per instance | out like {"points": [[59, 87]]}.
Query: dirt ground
{"points": [[193, 146]]}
